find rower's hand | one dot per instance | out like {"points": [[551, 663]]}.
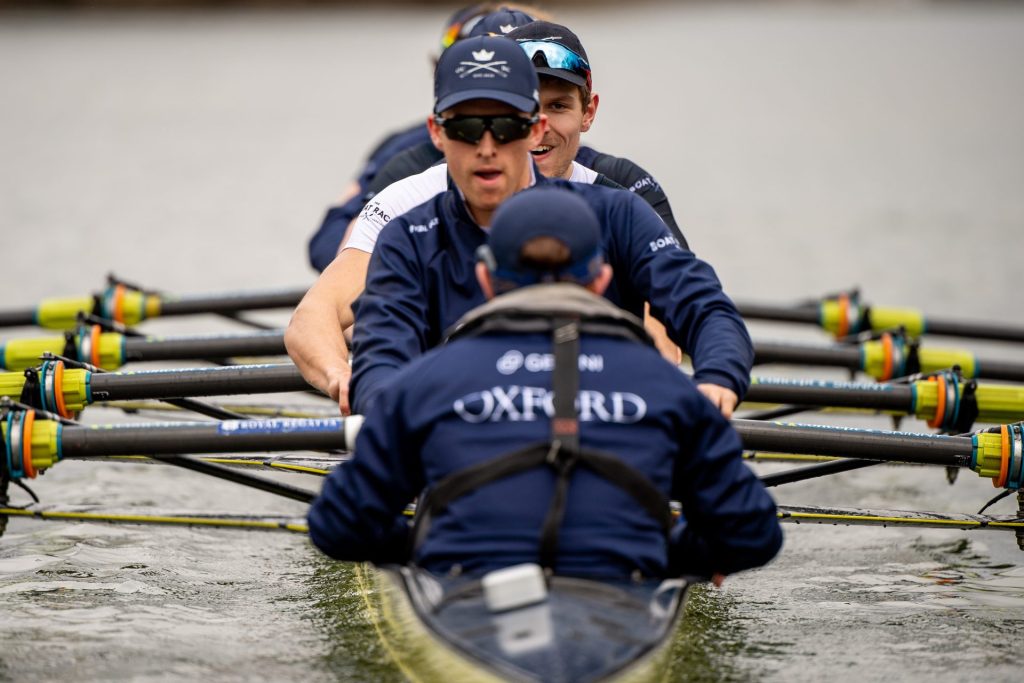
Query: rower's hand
{"points": [[337, 387], [722, 398]]}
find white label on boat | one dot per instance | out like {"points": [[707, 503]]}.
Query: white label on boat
{"points": [[818, 383], [280, 426]]}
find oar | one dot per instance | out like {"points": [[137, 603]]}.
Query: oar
{"points": [[34, 441], [844, 315], [111, 350], [887, 358], [130, 306], [219, 520], [944, 401], [883, 359], [66, 391], [795, 514], [996, 454]]}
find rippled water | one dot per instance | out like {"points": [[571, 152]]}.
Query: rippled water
{"points": [[805, 148]]}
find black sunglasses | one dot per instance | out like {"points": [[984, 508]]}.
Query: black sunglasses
{"points": [[471, 129]]}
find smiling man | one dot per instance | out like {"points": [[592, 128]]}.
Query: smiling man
{"points": [[421, 277]]}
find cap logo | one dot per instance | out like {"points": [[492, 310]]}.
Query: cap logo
{"points": [[483, 67], [507, 28]]}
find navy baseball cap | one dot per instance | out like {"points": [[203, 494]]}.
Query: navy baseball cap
{"points": [[555, 51], [545, 212], [485, 68], [500, 22]]}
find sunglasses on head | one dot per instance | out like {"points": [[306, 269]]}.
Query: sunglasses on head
{"points": [[556, 56], [471, 129]]}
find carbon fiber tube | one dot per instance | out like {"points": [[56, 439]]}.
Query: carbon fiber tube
{"points": [[24, 318], [787, 314], [974, 330], [832, 356], [925, 449], [213, 346], [240, 436], [1008, 371], [895, 397], [231, 302], [228, 474], [163, 384]]}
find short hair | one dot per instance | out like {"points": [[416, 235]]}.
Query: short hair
{"points": [[544, 254], [585, 92]]}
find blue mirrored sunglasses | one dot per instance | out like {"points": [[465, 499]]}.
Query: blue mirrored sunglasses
{"points": [[556, 56]]}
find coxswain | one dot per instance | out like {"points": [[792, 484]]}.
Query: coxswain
{"points": [[547, 430], [420, 280]]}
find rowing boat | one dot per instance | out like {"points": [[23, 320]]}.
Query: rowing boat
{"points": [[441, 629], [449, 628]]}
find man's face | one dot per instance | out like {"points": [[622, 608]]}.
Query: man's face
{"points": [[488, 173], [560, 101]]}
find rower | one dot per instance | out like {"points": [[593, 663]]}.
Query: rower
{"points": [[568, 100], [420, 280], [547, 430], [570, 104], [473, 20]]}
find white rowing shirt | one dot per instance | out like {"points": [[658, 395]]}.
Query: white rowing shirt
{"points": [[408, 193]]}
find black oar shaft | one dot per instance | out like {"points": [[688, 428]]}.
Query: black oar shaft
{"points": [[833, 356], [232, 475], [814, 471], [218, 437], [893, 397], [1008, 371], [975, 330], [787, 314], [162, 384], [214, 346], [17, 318], [231, 302], [925, 449]]}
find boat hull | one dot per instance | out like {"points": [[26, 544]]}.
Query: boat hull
{"points": [[586, 631]]}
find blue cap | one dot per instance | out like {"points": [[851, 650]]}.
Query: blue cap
{"points": [[500, 22], [486, 68], [545, 212]]}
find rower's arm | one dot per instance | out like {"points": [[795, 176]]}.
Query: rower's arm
{"points": [[686, 296], [393, 315], [730, 520], [358, 515], [315, 336]]}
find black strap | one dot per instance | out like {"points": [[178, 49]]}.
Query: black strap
{"points": [[565, 430], [563, 453], [565, 384], [606, 465], [469, 479]]}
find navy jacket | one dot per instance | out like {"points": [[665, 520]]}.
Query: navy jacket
{"points": [[404, 155], [323, 246], [482, 397], [421, 280]]}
